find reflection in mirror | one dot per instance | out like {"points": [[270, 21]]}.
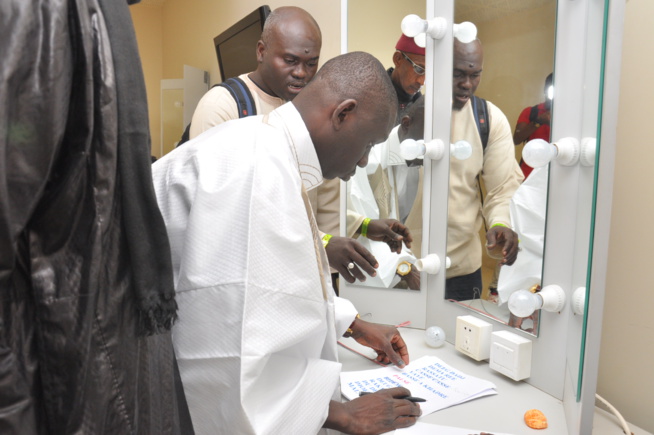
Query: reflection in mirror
{"points": [[388, 186], [487, 194]]}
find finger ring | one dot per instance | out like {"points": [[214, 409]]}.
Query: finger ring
{"points": [[350, 265]]}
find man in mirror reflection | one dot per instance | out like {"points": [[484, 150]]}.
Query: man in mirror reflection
{"points": [[288, 55], [494, 165], [256, 339], [388, 188], [534, 122], [408, 74]]}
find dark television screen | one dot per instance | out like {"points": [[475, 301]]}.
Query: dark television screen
{"points": [[236, 46]]}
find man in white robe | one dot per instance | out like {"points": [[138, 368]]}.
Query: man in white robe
{"points": [[256, 338]]}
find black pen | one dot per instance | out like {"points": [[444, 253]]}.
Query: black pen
{"points": [[409, 398]]}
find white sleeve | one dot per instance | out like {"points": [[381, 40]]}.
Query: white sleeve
{"points": [[345, 313]]}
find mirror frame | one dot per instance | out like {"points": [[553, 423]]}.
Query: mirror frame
{"points": [[551, 371]]}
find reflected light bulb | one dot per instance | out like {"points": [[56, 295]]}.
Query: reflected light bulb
{"points": [[412, 25], [465, 32], [420, 40], [523, 303], [411, 149], [550, 92], [434, 336], [461, 150], [538, 153]]}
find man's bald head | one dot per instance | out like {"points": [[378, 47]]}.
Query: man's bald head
{"points": [[348, 107], [288, 52], [468, 62]]}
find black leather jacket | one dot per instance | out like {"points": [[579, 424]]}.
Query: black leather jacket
{"points": [[86, 295]]}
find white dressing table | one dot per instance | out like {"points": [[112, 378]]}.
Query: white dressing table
{"points": [[502, 412]]}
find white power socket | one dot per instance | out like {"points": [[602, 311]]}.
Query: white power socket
{"points": [[510, 355], [473, 337]]}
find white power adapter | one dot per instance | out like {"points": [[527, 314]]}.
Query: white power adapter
{"points": [[473, 337], [510, 354]]}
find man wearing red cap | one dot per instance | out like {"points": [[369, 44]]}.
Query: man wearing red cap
{"points": [[408, 76]]}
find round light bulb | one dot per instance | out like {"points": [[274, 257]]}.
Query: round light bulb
{"points": [[523, 303], [420, 39], [434, 336], [412, 25], [465, 32], [411, 149], [461, 150], [538, 153]]}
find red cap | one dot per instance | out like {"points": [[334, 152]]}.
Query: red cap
{"points": [[408, 45]]}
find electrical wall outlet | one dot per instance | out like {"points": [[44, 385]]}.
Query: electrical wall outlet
{"points": [[510, 354], [473, 337]]}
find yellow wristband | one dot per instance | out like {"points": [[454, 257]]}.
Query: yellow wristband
{"points": [[364, 227], [499, 225], [325, 240]]}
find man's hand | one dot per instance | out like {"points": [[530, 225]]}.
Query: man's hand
{"points": [[505, 237], [383, 339], [391, 232], [412, 278], [372, 414], [341, 251]]}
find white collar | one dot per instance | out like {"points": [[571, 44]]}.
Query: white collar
{"points": [[288, 117]]}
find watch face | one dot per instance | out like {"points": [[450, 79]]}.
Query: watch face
{"points": [[403, 268]]}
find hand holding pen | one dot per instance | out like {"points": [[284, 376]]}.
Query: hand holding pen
{"points": [[409, 398]]}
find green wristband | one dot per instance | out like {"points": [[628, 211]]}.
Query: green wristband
{"points": [[325, 240], [499, 225], [364, 227]]}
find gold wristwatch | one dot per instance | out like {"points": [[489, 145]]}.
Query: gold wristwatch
{"points": [[404, 268]]}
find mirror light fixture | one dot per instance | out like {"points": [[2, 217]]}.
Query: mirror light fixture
{"points": [[435, 149], [415, 27], [588, 150], [579, 301], [538, 152], [431, 264], [523, 303]]}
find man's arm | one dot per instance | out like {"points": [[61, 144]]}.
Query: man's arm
{"points": [[502, 177]]}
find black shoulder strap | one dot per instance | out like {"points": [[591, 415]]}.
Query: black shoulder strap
{"points": [[480, 110], [241, 94]]}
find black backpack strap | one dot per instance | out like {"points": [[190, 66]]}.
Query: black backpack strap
{"points": [[241, 94], [480, 110]]}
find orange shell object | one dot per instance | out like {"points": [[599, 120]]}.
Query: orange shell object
{"points": [[535, 419]]}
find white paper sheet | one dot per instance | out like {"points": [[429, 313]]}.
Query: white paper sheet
{"points": [[428, 377], [431, 429]]}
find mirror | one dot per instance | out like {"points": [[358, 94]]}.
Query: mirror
{"points": [[513, 79]]}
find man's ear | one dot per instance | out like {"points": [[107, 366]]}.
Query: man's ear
{"points": [[406, 122], [343, 112], [261, 47], [397, 58]]}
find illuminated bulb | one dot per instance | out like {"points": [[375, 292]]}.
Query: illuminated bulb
{"points": [[434, 336], [538, 153], [461, 150], [412, 25], [550, 92], [465, 32], [420, 40], [431, 264], [411, 149], [523, 303]]}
